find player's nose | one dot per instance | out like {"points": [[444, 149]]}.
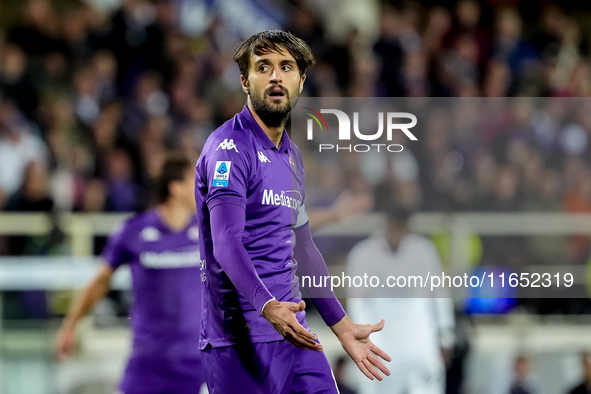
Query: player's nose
{"points": [[276, 75]]}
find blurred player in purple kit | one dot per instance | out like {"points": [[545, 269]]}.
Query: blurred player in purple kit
{"points": [[161, 248], [255, 234]]}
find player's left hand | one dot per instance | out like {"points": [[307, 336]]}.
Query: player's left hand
{"points": [[355, 340]]}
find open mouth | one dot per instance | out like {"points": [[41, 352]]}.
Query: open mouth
{"points": [[277, 93]]}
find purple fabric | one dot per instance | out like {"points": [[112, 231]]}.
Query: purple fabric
{"points": [[311, 262], [239, 165], [150, 375], [275, 367], [227, 230], [166, 312]]}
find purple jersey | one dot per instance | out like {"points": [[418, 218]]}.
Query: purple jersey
{"points": [[240, 165], [165, 269]]}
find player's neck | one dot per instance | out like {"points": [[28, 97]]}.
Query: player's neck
{"points": [[174, 215], [274, 133]]}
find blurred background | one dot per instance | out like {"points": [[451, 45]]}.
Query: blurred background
{"points": [[94, 93]]}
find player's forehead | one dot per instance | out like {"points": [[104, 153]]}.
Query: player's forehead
{"points": [[279, 55]]}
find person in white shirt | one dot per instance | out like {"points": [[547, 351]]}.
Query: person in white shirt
{"points": [[19, 147], [419, 336]]}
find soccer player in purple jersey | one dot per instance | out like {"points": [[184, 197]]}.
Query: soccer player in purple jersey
{"points": [[161, 248], [249, 189]]}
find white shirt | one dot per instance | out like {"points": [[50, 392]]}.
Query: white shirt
{"points": [[14, 158], [413, 325]]}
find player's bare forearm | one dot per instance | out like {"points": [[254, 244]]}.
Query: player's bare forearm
{"points": [[79, 308], [346, 205], [95, 291], [355, 340]]}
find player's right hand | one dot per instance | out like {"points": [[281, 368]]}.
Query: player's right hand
{"points": [[282, 315], [66, 340]]}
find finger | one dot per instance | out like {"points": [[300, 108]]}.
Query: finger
{"points": [[363, 369], [61, 353], [303, 339], [304, 335], [376, 350], [378, 327], [375, 361], [294, 341], [302, 343], [301, 306], [300, 330], [309, 346], [372, 370], [308, 338], [292, 306]]}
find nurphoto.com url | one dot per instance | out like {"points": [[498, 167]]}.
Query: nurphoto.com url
{"points": [[440, 280]]}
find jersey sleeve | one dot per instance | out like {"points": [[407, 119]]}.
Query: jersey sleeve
{"points": [[312, 264], [227, 226], [225, 170], [302, 217], [300, 178], [115, 252]]}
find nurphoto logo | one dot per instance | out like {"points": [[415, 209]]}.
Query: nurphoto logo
{"points": [[346, 128]]}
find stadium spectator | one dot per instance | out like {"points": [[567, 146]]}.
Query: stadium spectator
{"points": [[19, 147]]}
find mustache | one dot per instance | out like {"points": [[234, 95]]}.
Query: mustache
{"points": [[275, 87]]}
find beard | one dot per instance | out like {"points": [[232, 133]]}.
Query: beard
{"points": [[272, 115]]}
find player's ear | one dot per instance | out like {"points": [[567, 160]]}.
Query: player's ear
{"points": [[245, 84], [302, 83], [173, 188]]}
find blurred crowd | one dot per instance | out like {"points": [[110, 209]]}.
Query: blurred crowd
{"points": [[91, 101]]}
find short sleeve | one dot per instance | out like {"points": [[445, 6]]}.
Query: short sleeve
{"points": [[225, 169], [115, 252]]}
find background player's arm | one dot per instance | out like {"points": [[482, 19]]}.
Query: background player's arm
{"points": [[353, 337], [346, 205], [94, 292], [227, 227]]}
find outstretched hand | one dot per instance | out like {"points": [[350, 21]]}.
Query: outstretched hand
{"points": [[66, 340], [282, 315], [355, 340]]}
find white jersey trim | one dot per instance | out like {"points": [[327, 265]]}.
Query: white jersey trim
{"points": [[302, 216]]}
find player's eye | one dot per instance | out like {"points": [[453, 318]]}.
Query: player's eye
{"points": [[287, 68], [264, 68]]}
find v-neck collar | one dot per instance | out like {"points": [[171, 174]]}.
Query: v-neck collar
{"points": [[165, 227]]}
